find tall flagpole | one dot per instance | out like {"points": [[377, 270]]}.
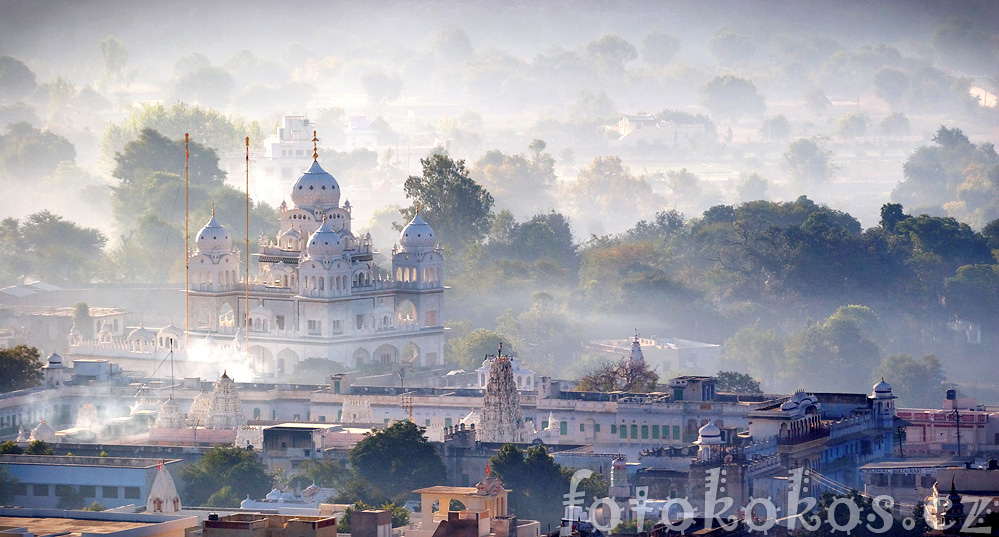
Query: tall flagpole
{"points": [[246, 283], [187, 238]]}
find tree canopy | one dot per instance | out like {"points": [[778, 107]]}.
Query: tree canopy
{"points": [[238, 470], [20, 368], [397, 460], [446, 197]]}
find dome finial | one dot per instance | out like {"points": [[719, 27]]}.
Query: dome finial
{"points": [[315, 146], [417, 204], [213, 209]]}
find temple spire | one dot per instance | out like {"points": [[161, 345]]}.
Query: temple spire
{"points": [[315, 146]]}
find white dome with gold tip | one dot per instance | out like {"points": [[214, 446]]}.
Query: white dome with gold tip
{"points": [[213, 238], [417, 235], [325, 244], [316, 188]]}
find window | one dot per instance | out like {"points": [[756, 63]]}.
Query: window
{"points": [[624, 431], [634, 432], [430, 318], [314, 328], [322, 419], [132, 493], [360, 321], [447, 422], [279, 321], [596, 427], [88, 491], [613, 428], [39, 490], [109, 492], [676, 432], [582, 428], [337, 327], [563, 428], [645, 432], [544, 424], [655, 432]]}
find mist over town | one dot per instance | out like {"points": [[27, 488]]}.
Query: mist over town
{"points": [[458, 269]]}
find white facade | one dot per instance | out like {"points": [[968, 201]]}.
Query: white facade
{"points": [[319, 294]]}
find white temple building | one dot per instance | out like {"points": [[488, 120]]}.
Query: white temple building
{"points": [[318, 293], [163, 497]]}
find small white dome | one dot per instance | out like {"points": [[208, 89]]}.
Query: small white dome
{"points": [[709, 434], [882, 387], [325, 244], [55, 360], [316, 188], [141, 333], [417, 235], [170, 330], [292, 233], [213, 238]]}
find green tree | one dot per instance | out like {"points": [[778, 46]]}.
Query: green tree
{"points": [[973, 294], [456, 206], [95, 507], [325, 473], [775, 128], [730, 47], [853, 125], [61, 252], [27, 154], [731, 381], [610, 54], [471, 349], [208, 127], [538, 482], [16, 79], [892, 85], [659, 48], [916, 383], [20, 368], [400, 515], [895, 124], [732, 97], [397, 460], [225, 467], [808, 162], [816, 101], [223, 497], [115, 56], [9, 447], [39, 447], [606, 189], [761, 352]]}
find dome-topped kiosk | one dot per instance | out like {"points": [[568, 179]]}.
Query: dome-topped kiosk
{"points": [[417, 236], [419, 263], [214, 266]]}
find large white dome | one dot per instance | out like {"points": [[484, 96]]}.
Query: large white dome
{"points": [[325, 243], [316, 188], [213, 238], [417, 235]]}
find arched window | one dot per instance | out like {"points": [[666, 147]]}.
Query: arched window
{"points": [[322, 284]]}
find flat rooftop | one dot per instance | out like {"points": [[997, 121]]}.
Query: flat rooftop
{"points": [[74, 527], [78, 460]]}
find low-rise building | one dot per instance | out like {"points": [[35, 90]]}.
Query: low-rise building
{"points": [[21, 521], [110, 481]]}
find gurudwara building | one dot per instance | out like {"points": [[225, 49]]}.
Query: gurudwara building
{"points": [[318, 293]]}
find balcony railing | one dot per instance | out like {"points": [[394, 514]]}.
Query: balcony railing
{"points": [[815, 433]]}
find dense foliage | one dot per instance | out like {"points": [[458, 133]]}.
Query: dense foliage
{"points": [[396, 460], [224, 476], [20, 367], [538, 483]]}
